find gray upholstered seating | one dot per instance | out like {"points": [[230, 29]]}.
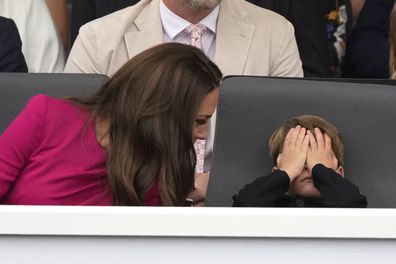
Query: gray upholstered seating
{"points": [[17, 88], [251, 108]]}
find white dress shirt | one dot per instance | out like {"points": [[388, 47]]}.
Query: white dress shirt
{"points": [[173, 27]]}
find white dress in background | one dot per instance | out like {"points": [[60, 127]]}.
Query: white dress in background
{"points": [[41, 44]]}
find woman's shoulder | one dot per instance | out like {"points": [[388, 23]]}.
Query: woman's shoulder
{"points": [[58, 107], [40, 101], [49, 101], [59, 114]]}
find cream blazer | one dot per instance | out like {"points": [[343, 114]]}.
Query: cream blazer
{"points": [[250, 40]]}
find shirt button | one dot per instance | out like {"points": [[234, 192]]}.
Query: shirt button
{"points": [[300, 203]]}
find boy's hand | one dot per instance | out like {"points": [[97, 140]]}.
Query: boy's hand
{"points": [[320, 150], [294, 154]]}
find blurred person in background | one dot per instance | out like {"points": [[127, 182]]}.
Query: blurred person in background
{"points": [[320, 28], [367, 50], [83, 11], [11, 56], [308, 19], [60, 15], [41, 35], [392, 41], [354, 11]]}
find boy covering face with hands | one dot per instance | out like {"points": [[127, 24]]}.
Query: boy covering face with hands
{"points": [[307, 154]]}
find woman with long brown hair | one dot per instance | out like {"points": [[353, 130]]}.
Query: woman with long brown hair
{"points": [[129, 144]]}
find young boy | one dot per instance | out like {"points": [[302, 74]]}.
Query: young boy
{"points": [[307, 154]]}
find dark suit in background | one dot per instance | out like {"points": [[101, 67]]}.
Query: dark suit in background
{"points": [[84, 11], [367, 50], [308, 19], [11, 56]]}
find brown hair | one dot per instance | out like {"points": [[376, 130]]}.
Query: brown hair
{"points": [[152, 102], [309, 122]]}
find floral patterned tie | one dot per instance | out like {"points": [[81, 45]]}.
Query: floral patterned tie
{"points": [[195, 31]]}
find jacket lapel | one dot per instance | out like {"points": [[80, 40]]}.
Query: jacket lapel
{"points": [[148, 31], [233, 38]]}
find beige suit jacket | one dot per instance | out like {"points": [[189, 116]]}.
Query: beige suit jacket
{"points": [[249, 41]]}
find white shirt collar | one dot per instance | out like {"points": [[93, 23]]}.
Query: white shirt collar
{"points": [[173, 24]]}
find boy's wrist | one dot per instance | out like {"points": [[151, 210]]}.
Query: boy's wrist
{"points": [[289, 173], [282, 176], [317, 167], [312, 165]]}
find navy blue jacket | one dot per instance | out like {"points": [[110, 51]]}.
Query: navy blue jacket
{"points": [[367, 50], [308, 19], [11, 56]]}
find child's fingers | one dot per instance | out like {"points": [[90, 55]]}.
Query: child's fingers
{"points": [[288, 137], [327, 141], [309, 152], [319, 138], [301, 135], [293, 135], [312, 141], [305, 143]]}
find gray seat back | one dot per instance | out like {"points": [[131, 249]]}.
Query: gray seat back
{"points": [[251, 108], [17, 88]]}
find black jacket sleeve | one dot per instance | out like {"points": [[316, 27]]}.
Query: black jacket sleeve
{"points": [[336, 191], [11, 56], [266, 191]]}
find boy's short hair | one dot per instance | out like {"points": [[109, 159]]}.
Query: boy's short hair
{"points": [[309, 122]]}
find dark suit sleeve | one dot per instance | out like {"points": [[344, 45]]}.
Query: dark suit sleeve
{"points": [[266, 191], [336, 190], [11, 56], [367, 47]]}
